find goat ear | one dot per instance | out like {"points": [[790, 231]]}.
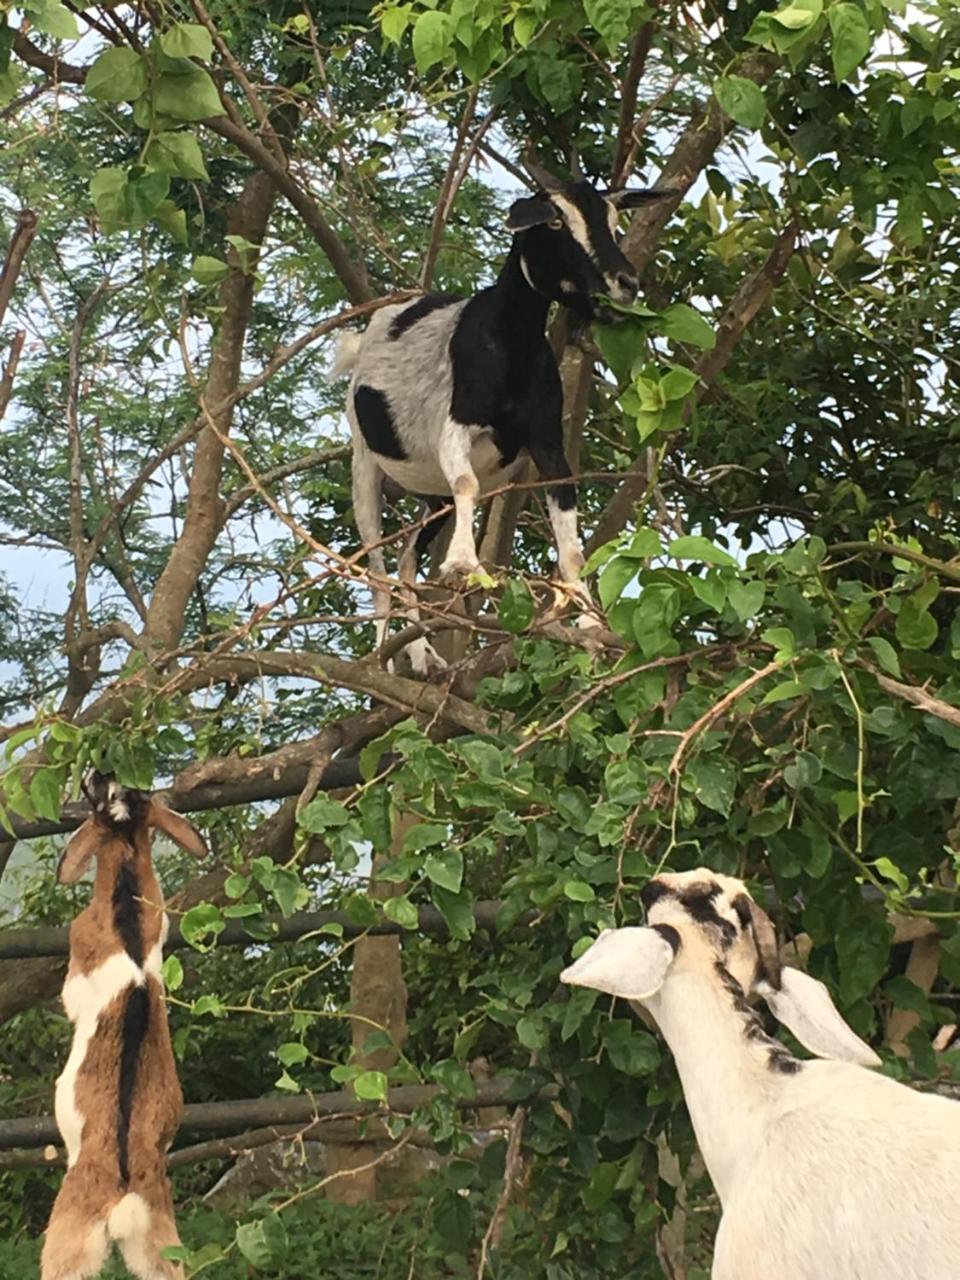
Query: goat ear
{"points": [[180, 831], [530, 211], [80, 848], [631, 963], [623, 199], [804, 1006]]}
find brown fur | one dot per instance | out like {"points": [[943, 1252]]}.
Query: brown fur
{"points": [[78, 1239]]}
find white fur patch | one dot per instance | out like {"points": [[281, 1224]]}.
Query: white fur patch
{"points": [[569, 555], [129, 1217], [576, 223], [117, 803], [85, 996]]}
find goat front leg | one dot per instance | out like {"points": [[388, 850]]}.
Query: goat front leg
{"points": [[368, 515], [453, 456], [552, 464]]}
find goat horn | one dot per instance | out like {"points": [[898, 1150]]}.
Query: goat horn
{"points": [[541, 176]]}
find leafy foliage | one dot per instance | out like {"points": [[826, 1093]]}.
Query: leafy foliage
{"points": [[775, 694]]}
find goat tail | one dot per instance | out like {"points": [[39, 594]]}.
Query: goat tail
{"points": [[129, 1218], [348, 349]]}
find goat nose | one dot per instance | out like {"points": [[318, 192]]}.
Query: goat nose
{"points": [[628, 285]]}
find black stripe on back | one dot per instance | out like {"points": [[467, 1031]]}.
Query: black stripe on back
{"points": [[126, 912], [136, 1019], [424, 306]]}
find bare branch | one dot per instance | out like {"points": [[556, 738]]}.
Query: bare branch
{"points": [[20, 241]]}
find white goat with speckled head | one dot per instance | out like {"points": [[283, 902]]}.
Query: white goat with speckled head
{"points": [[825, 1171]]}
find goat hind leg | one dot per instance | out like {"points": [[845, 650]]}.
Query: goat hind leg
{"points": [[423, 656], [367, 481]]}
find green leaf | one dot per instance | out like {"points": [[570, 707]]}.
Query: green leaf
{"points": [[886, 655], [45, 788], [322, 813], [236, 885], [631, 1049], [172, 973], [711, 589], [54, 19], [675, 384], [203, 921], [805, 771], [116, 75], [187, 97], [525, 27], [287, 890], [683, 324], [142, 196], [516, 606], [292, 1053], [609, 18], [107, 187], [916, 627], [402, 912], [850, 42], [796, 17], [532, 1033], [432, 37], [252, 1243], [560, 82], [453, 1077], [177, 152], [741, 99], [782, 639], [457, 910], [394, 22], [780, 692], [207, 271], [615, 576], [445, 869], [424, 835], [187, 40], [695, 547], [579, 891], [172, 220], [371, 1086], [603, 1181], [746, 598]]}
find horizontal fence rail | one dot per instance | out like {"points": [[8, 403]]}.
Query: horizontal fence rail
{"points": [[28, 944]]}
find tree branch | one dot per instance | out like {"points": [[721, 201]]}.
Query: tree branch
{"points": [[227, 1117], [20, 241]]}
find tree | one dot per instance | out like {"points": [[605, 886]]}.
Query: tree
{"points": [[768, 454]]}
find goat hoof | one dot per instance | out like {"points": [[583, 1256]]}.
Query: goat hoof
{"points": [[424, 659], [455, 572]]}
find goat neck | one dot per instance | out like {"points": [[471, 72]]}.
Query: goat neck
{"points": [[521, 307], [729, 1068]]}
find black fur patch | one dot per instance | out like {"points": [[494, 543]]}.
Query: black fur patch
{"points": [[376, 423], [698, 903], [417, 310], [652, 892], [669, 934], [779, 1057], [136, 1019], [126, 912]]}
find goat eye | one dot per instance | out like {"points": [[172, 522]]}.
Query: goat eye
{"points": [[555, 223]]}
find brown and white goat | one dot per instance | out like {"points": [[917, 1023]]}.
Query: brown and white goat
{"points": [[118, 1100]]}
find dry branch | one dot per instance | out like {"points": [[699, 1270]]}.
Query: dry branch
{"points": [[21, 944], [229, 1117]]}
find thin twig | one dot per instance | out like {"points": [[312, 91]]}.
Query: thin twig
{"points": [[717, 710]]}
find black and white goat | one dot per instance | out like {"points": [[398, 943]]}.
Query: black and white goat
{"points": [[449, 395], [825, 1171], [118, 1100]]}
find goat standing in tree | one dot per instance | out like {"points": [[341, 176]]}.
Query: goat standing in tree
{"points": [[825, 1171], [118, 1100], [448, 395]]}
